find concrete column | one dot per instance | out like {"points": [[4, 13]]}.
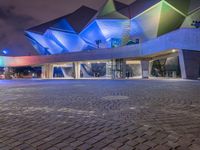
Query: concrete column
{"points": [[113, 69], [77, 70], [182, 64], [47, 71], [145, 69], [190, 64], [108, 69], [123, 65], [43, 72]]}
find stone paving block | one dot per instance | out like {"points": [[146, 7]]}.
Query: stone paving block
{"points": [[133, 143], [130, 136], [121, 140], [194, 147], [151, 144], [75, 144], [162, 147], [116, 145], [53, 148], [38, 143], [102, 143], [108, 148], [84, 147], [126, 147], [67, 148], [172, 144], [142, 147]]}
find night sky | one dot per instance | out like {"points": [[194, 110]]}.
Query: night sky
{"points": [[18, 15]]}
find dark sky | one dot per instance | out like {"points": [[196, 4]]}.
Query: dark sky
{"points": [[18, 15]]}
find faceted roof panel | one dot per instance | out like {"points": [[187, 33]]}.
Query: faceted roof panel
{"points": [[145, 26], [41, 29], [119, 27], [92, 33], [182, 5], [139, 6], [114, 15], [47, 43], [75, 21], [194, 4], [125, 12], [63, 25], [119, 5], [71, 42], [174, 19], [80, 18], [107, 8]]}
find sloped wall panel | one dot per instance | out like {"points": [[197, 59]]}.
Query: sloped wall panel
{"points": [[47, 43], [72, 42], [92, 33], [145, 26], [182, 5], [170, 19]]}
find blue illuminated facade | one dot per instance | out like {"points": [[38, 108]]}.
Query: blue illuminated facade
{"points": [[119, 40], [104, 29]]}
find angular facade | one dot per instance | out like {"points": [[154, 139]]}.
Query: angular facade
{"points": [[114, 25]]}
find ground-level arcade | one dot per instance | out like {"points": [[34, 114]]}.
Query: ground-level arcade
{"points": [[170, 64]]}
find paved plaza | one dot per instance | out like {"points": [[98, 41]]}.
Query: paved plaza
{"points": [[99, 115]]}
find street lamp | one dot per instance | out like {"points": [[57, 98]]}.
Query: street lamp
{"points": [[5, 51]]}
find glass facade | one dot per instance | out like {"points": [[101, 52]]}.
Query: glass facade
{"points": [[168, 67], [63, 71], [95, 69], [126, 69], [102, 69]]}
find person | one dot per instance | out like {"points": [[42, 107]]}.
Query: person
{"points": [[127, 74]]}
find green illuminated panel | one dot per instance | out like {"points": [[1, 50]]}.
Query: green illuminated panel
{"points": [[113, 15], [170, 19], [108, 8], [182, 5]]}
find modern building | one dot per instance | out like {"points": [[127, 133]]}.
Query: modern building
{"points": [[148, 38]]}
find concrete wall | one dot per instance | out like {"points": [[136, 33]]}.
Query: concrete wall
{"points": [[190, 64], [145, 69]]}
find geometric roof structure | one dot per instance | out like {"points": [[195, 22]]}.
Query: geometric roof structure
{"points": [[115, 24]]}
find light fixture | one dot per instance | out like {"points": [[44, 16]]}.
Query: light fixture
{"points": [[4, 51], [173, 51]]}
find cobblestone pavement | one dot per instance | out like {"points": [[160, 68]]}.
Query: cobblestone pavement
{"points": [[100, 115]]}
